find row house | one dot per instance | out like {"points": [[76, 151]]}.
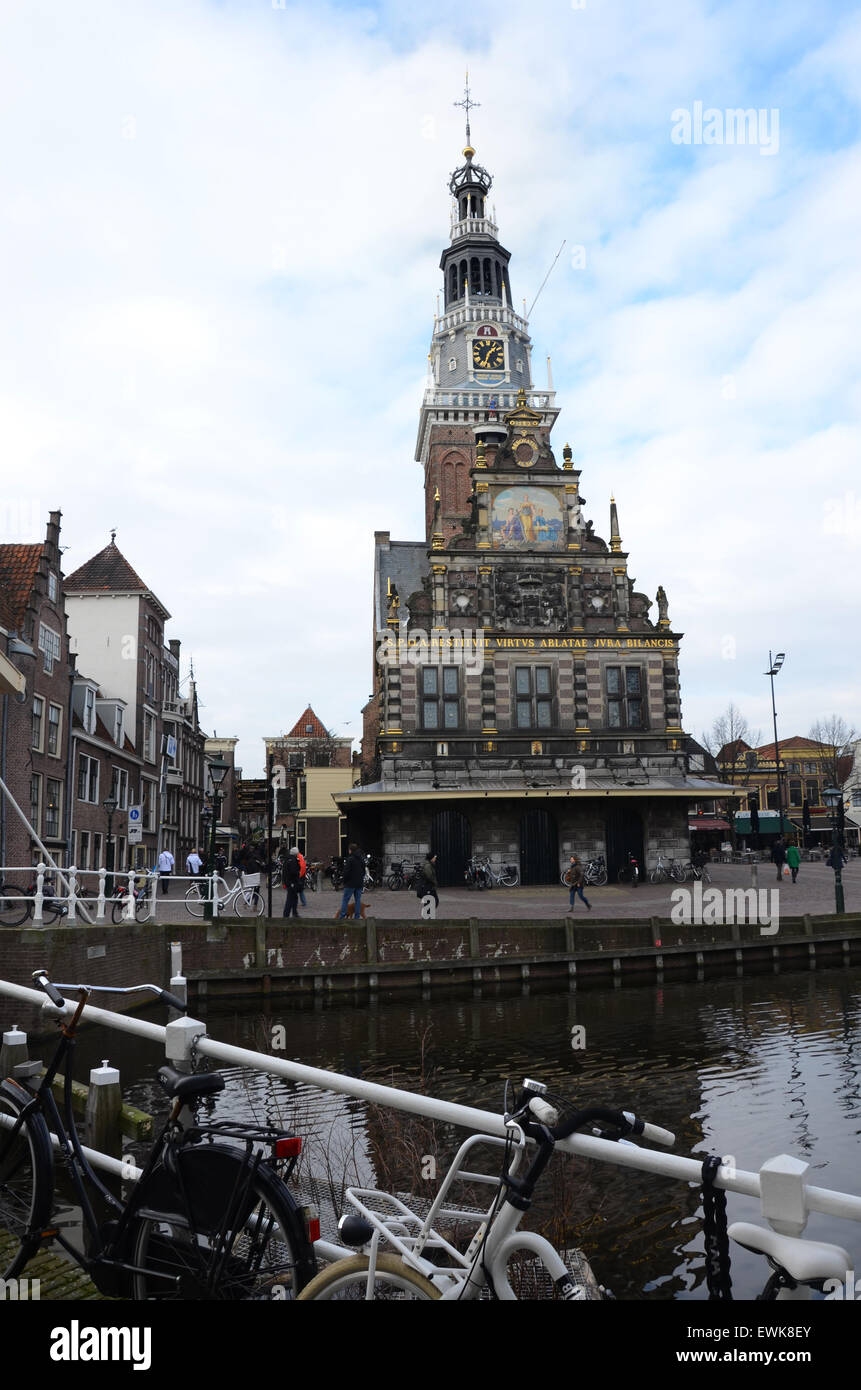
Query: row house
{"points": [[104, 763], [806, 768], [316, 765], [37, 675]]}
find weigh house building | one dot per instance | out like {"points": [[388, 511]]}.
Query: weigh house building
{"points": [[526, 699]]}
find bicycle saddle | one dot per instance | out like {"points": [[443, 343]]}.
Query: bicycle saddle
{"points": [[802, 1259], [178, 1084]]}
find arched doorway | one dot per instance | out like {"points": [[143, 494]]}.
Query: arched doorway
{"points": [[624, 836], [539, 848], [451, 840]]}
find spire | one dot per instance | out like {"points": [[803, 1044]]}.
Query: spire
{"points": [[615, 538], [467, 105], [549, 374], [437, 537]]}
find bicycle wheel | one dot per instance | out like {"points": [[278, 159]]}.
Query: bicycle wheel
{"points": [[26, 1180], [248, 903], [144, 906], [657, 876], [563, 879], [599, 878], [347, 1280], [118, 910], [677, 872], [510, 879], [15, 907], [195, 900], [52, 908], [266, 1256], [394, 882]]}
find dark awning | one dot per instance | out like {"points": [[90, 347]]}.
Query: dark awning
{"points": [[707, 823], [768, 825]]}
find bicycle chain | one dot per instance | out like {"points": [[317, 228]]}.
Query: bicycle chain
{"points": [[715, 1230]]}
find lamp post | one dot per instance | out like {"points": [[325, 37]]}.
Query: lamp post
{"points": [[832, 796], [110, 805], [218, 770], [773, 668]]}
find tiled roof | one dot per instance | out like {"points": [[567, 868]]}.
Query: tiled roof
{"points": [[308, 726], [796, 741], [18, 567], [109, 571]]}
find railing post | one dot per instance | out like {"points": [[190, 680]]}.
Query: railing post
{"points": [[100, 900], [129, 909], [102, 1116], [213, 890], [73, 893], [13, 1051], [178, 982], [782, 1182], [40, 895]]}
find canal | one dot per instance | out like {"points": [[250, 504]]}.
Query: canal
{"points": [[751, 1066]]}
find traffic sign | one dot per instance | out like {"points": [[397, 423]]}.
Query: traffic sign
{"points": [[135, 825]]}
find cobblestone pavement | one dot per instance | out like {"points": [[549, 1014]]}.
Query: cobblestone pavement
{"points": [[813, 893]]}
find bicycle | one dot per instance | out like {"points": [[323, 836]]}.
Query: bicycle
{"points": [[629, 872], [244, 900], [18, 904], [475, 875], [665, 869], [397, 879], [144, 902], [797, 1265], [409, 1273], [207, 1219], [594, 873], [508, 876]]}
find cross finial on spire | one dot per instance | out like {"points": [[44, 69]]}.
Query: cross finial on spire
{"points": [[467, 105]]}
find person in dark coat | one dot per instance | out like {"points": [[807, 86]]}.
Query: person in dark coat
{"points": [[292, 875], [354, 882], [778, 856], [427, 879], [575, 878]]}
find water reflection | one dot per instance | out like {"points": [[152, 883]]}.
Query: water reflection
{"points": [[748, 1066]]}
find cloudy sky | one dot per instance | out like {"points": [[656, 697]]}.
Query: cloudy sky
{"points": [[220, 237]]}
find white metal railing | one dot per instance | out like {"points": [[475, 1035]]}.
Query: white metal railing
{"points": [[781, 1184], [475, 398], [478, 312], [76, 903], [468, 226]]}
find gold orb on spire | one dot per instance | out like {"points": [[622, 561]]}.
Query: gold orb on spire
{"points": [[469, 152]]}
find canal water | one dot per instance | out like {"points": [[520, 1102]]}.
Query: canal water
{"points": [[752, 1067]]}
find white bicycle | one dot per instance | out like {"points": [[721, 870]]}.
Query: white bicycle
{"points": [[421, 1260], [242, 899]]}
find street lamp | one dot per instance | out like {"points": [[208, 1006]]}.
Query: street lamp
{"points": [[110, 805], [218, 770], [832, 796], [773, 668]]}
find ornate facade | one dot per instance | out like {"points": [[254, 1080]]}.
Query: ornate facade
{"points": [[526, 694]]}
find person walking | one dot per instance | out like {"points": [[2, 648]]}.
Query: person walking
{"points": [[193, 864], [575, 879], [303, 872], [427, 885], [354, 882], [793, 859], [291, 883], [778, 855], [165, 869]]}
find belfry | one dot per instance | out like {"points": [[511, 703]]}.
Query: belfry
{"points": [[525, 703]]}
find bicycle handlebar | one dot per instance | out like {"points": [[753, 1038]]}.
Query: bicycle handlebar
{"points": [[53, 991], [624, 1121]]}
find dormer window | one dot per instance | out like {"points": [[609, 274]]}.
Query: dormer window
{"points": [[89, 718], [118, 727]]}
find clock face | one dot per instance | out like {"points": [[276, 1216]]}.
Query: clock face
{"points": [[488, 356], [525, 451]]}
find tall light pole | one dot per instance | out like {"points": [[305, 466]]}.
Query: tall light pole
{"points": [[773, 668], [218, 770], [833, 796], [110, 805]]}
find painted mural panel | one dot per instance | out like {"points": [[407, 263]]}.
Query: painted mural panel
{"points": [[525, 517]]}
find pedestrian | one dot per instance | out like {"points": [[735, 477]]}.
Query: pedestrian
{"points": [[303, 871], [575, 879], [836, 858], [193, 864], [778, 855], [354, 882], [292, 877], [427, 884], [165, 869], [793, 859], [220, 861], [701, 862]]}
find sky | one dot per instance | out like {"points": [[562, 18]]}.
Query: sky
{"points": [[220, 239]]}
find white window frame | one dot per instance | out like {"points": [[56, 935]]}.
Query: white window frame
{"points": [[149, 723], [49, 646], [59, 749], [53, 586], [90, 800], [89, 711], [38, 747], [36, 820], [55, 834], [120, 787]]}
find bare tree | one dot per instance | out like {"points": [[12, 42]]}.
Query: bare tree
{"points": [[835, 736], [728, 732]]}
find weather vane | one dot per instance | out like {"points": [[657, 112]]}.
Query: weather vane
{"points": [[467, 105]]}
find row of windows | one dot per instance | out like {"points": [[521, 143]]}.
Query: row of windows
{"points": [[88, 788], [485, 275], [533, 697], [87, 851]]}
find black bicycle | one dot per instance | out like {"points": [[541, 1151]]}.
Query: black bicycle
{"points": [[210, 1217]]}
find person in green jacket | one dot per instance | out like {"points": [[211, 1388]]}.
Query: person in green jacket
{"points": [[793, 859]]}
